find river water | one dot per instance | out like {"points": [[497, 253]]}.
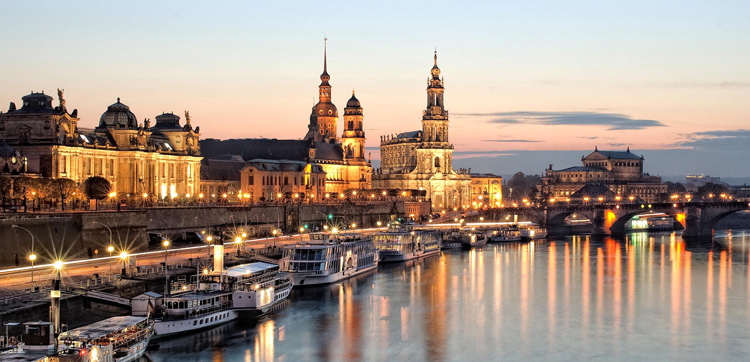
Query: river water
{"points": [[646, 297]]}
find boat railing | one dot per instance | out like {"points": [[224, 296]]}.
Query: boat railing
{"points": [[193, 314]]}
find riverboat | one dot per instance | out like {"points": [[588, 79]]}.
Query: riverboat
{"points": [[399, 243], [117, 339], [504, 235], [328, 258], [258, 287], [532, 232], [473, 238]]}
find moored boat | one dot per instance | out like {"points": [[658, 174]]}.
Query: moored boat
{"points": [[504, 235], [473, 238], [328, 258], [532, 232], [399, 243], [116, 339], [257, 287]]}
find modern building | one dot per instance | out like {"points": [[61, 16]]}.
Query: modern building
{"points": [[487, 188], [341, 158], [422, 160], [161, 160], [621, 172]]}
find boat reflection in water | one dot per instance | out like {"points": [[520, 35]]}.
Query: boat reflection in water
{"points": [[644, 297]]}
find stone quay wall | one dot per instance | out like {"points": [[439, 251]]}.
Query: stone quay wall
{"points": [[79, 235]]}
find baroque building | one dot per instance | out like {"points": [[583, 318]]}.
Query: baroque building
{"points": [[422, 160], [620, 172], [161, 160], [487, 188], [341, 158]]}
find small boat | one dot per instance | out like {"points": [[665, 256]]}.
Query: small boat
{"points": [[532, 232], [401, 243], [473, 238], [505, 235], [328, 258], [116, 339]]}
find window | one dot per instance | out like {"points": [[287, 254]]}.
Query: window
{"points": [[286, 180], [437, 161], [251, 180], [351, 124]]}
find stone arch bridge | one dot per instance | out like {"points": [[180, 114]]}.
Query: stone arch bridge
{"points": [[697, 218]]}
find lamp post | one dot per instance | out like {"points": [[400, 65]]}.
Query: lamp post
{"points": [[124, 258], [55, 302], [275, 232], [110, 243], [166, 274], [110, 249], [32, 256]]}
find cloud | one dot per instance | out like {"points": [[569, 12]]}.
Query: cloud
{"points": [[734, 141], [513, 141], [613, 121]]}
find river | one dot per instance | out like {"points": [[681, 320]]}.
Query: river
{"points": [[646, 297]]}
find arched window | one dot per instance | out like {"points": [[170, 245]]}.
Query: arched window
{"points": [[437, 162]]}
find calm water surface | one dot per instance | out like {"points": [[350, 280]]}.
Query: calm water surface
{"points": [[647, 297]]}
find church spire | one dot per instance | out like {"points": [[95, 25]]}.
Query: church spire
{"points": [[325, 77]]}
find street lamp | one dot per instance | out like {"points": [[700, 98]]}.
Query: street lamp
{"points": [[166, 275], [124, 257], [110, 249], [110, 240], [32, 257], [274, 232]]}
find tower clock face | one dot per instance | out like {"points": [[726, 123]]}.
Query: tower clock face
{"points": [[13, 159]]}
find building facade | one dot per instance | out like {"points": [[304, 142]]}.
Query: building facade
{"points": [[268, 180], [621, 172], [161, 160], [341, 158], [487, 189], [422, 160]]}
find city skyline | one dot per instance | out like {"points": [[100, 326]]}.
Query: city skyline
{"points": [[523, 82]]}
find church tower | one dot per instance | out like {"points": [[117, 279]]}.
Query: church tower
{"points": [[435, 117], [353, 138], [324, 114]]}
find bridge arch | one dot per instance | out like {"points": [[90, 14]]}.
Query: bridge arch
{"points": [[618, 226], [557, 219], [710, 224]]}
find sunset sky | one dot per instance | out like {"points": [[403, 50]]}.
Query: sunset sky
{"points": [[669, 79]]}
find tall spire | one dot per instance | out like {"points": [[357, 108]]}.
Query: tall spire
{"points": [[325, 77], [436, 57]]}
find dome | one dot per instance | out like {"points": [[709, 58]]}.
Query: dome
{"points": [[353, 102], [325, 110], [118, 115], [167, 121], [353, 106], [37, 103]]}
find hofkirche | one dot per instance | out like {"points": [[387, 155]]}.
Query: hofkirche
{"points": [[270, 167], [161, 160]]}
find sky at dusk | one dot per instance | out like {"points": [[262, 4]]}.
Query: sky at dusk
{"points": [[524, 80]]}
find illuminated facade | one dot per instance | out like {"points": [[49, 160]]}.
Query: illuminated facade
{"points": [[422, 160], [268, 180], [341, 158], [487, 188], [161, 160], [621, 172]]}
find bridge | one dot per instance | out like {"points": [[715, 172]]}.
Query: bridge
{"points": [[697, 218]]}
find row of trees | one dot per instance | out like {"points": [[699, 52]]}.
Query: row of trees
{"points": [[21, 190]]}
